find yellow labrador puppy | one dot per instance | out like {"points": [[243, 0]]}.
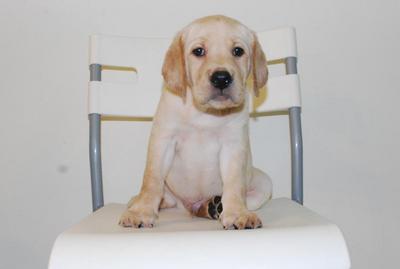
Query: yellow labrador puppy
{"points": [[199, 154]]}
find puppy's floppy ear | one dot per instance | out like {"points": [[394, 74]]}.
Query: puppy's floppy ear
{"points": [[173, 69], [259, 68]]}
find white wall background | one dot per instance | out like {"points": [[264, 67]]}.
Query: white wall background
{"points": [[349, 69]]}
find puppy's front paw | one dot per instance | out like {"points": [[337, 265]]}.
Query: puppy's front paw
{"points": [[139, 214], [137, 219], [240, 220]]}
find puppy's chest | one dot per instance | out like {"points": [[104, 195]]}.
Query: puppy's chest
{"points": [[197, 155], [195, 144], [195, 172]]}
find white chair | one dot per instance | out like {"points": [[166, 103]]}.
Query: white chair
{"points": [[292, 236]]}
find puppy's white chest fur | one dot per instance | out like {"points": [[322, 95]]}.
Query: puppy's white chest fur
{"points": [[194, 173]]}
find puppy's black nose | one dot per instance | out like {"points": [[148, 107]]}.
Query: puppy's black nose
{"points": [[221, 79]]}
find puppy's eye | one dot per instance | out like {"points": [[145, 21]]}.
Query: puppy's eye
{"points": [[199, 52], [237, 51]]}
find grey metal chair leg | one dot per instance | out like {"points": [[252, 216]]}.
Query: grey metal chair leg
{"points": [[95, 161], [95, 148], [296, 140]]}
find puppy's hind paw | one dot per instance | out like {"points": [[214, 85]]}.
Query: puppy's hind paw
{"points": [[211, 208], [214, 207]]}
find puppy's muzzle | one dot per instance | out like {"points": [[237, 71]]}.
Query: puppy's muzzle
{"points": [[221, 79]]}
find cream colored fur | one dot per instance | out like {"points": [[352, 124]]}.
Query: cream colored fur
{"points": [[199, 145]]}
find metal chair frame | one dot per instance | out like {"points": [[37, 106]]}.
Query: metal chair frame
{"points": [[295, 140]]}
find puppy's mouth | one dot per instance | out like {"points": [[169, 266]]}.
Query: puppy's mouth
{"points": [[223, 100], [221, 97]]}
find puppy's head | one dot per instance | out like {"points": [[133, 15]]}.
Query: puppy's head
{"points": [[214, 56]]}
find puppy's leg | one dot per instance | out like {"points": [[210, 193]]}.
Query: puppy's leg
{"points": [[143, 209], [259, 189], [235, 171], [168, 200]]}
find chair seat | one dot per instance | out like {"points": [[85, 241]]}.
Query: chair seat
{"points": [[292, 237]]}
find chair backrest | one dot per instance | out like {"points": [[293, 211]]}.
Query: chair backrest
{"points": [[143, 58]]}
